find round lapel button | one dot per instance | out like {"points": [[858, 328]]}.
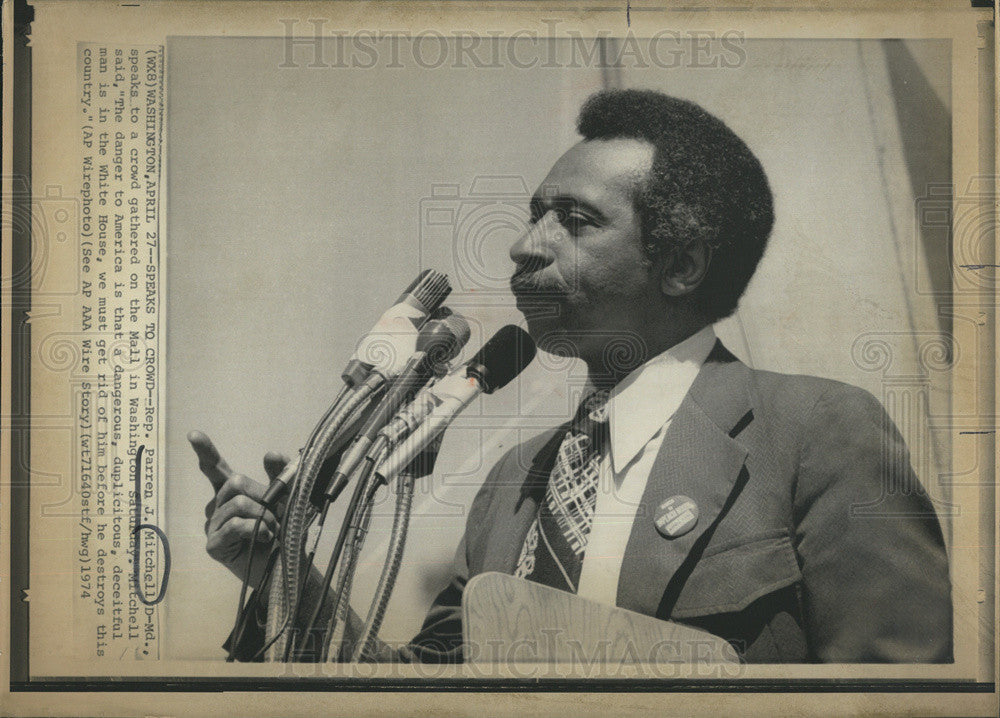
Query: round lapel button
{"points": [[676, 516]]}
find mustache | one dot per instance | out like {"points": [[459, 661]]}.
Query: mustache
{"points": [[526, 281]]}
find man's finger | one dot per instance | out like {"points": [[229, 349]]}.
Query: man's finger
{"points": [[210, 462], [241, 507], [239, 485], [232, 538], [274, 463]]}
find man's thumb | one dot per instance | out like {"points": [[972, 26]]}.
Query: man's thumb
{"points": [[274, 463]]}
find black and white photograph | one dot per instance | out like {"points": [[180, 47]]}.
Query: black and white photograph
{"points": [[516, 349], [752, 483]]}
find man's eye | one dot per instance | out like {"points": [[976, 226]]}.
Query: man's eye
{"points": [[575, 221], [571, 219]]}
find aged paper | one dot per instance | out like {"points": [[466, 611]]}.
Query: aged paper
{"points": [[220, 198]]}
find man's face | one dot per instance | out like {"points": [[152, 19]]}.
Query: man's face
{"points": [[581, 278]]}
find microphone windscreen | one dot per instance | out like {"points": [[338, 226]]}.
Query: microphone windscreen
{"points": [[443, 337], [391, 340], [413, 285], [459, 328], [428, 290], [502, 358]]}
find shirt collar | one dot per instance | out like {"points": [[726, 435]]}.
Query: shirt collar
{"points": [[644, 400]]}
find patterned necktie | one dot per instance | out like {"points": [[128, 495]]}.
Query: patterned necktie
{"points": [[553, 550]]}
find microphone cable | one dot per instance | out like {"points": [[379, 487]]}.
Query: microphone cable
{"points": [[357, 533], [241, 607], [363, 471], [240, 624], [411, 310], [423, 465], [299, 511], [243, 614]]}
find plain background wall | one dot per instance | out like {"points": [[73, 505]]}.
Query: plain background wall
{"points": [[302, 200]]}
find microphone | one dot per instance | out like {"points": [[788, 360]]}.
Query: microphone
{"points": [[392, 338], [500, 360], [438, 342], [390, 341]]}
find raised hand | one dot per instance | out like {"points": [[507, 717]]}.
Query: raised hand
{"points": [[233, 511]]}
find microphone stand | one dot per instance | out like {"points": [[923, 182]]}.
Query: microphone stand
{"points": [[356, 528], [401, 393], [356, 504], [423, 465], [357, 532], [284, 595], [496, 363]]}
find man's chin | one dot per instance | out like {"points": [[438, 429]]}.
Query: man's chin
{"points": [[546, 324], [551, 338]]}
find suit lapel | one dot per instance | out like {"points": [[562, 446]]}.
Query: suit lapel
{"points": [[699, 459], [526, 491]]}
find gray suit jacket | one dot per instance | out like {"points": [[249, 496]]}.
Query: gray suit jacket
{"points": [[815, 541]]}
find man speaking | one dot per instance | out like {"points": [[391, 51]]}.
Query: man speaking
{"points": [[688, 486]]}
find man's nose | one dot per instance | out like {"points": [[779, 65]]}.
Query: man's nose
{"points": [[533, 248]]}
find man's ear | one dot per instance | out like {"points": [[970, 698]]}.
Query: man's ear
{"points": [[682, 271]]}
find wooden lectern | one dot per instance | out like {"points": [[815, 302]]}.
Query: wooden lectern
{"points": [[507, 619]]}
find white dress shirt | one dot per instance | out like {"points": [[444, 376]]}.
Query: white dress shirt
{"points": [[640, 409]]}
